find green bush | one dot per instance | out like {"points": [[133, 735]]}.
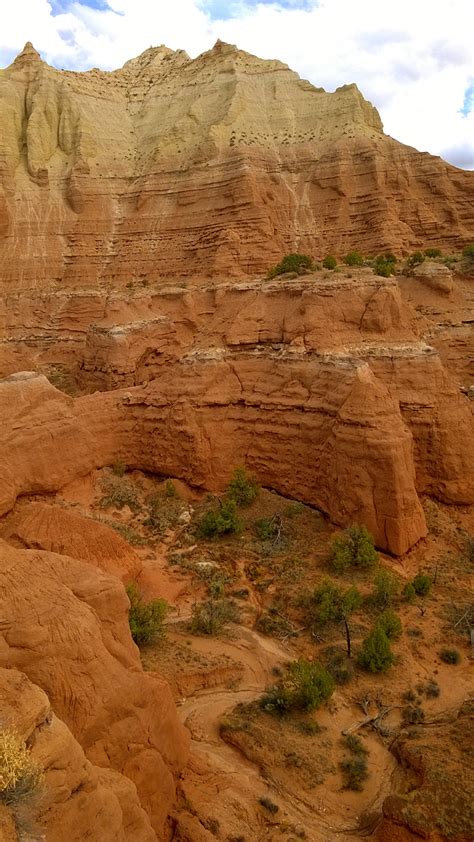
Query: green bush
{"points": [[432, 252], [354, 772], [243, 488], [385, 589], [299, 263], [305, 686], [376, 654], [450, 656], [390, 623], [385, 265], [146, 619], [468, 251], [409, 593], [212, 615], [221, 521], [422, 584], [355, 744], [353, 258], [119, 468], [354, 548], [170, 489], [415, 259], [329, 262], [329, 604], [267, 528]]}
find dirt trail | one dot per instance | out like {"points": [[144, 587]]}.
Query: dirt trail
{"points": [[321, 817]]}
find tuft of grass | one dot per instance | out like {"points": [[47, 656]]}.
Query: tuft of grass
{"points": [[21, 777]]}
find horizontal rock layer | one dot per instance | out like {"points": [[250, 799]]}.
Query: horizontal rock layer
{"points": [[214, 166]]}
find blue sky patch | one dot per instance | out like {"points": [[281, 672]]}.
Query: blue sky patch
{"points": [[468, 104]]}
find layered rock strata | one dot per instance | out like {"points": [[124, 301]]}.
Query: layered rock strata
{"points": [[64, 624], [213, 166]]}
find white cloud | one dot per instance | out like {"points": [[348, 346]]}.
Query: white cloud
{"points": [[412, 58]]}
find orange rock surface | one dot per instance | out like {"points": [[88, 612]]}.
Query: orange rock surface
{"points": [[64, 624], [217, 165], [78, 800]]}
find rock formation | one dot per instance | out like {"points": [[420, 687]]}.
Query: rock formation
{"points": [[212, 166], [64, 624]]}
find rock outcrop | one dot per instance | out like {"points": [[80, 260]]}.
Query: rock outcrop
{"points": [[77, 800], [213, 166], [64, 624]]}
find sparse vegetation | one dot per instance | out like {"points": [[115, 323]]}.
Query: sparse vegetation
{"points": [[330, 262], [385, 265], [243, 488], [433, 252], [338, 665], [330, 604], [212, 615], [390, 623], [376, 654], [21, 777], [450, 656], [304, 686], [119, 468], [353, 258], [385, 588], [422, 584], [354, 548], [170, 489], [299, 263], [354, 772], [221, 521], [415, 259], [120, 492], [468, 251], [146, 619]]}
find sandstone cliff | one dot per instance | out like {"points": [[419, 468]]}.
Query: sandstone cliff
{"points": [[217, 165]]}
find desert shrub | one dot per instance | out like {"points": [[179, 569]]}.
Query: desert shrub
{"points": [[376, 654], [305, 686], [20, 776], [450, 656], [221, 521], [119, 493], [354, 548], [146, 619], [273, 624], [354, 772], [422, 584], [338, 665], [119, 468], [415, 259], [468, 251], [243, 488], [297, 508], [384, 590], [212, 615], [330, 604], [432, 252], [354, 744], [409, 593], [170, 489], [413, 715], [299, 263], [432, 689], [390, 623], [268, 804], [267, 528], [353, 258], [385, 265], [329, 262]]}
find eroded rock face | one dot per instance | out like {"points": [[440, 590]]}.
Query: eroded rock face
{"points": [[64, 624], [219, 165], [78, 800]]}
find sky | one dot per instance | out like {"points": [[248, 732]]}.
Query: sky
{"points": [[413, 59]]}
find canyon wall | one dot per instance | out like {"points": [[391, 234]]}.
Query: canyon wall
{"points": [[215, 166]]}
